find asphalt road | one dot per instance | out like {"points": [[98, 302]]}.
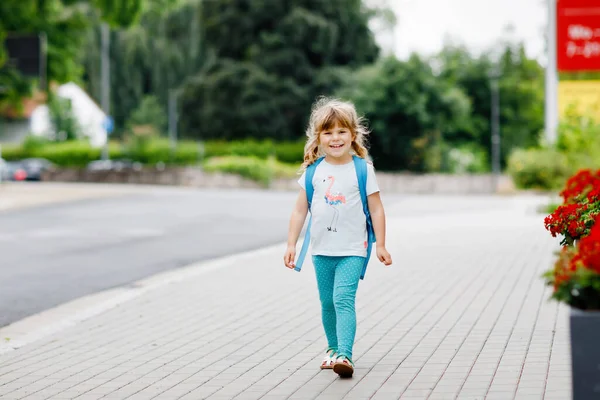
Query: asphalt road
{"points": [[55, 253]]}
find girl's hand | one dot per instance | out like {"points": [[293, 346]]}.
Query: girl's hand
{"points": [[289, 257], [384, 256]]}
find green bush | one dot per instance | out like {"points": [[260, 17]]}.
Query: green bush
{"points": [[579, 140], [545, 169], [148, 150], [248, 167], [159, 150], [32, 142], [69, 154], [253, 168], [469, 158], [14, 153], [290, 152], [245, 148]]}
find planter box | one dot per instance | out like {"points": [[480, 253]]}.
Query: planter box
{"points": [[585, 354]]}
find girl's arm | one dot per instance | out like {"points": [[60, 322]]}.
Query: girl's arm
{"points": [[378, 217], [296, 223]]}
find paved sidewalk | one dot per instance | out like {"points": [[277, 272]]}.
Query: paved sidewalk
{"points": [[462, 314]]}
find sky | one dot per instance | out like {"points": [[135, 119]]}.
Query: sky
{"points": [[424, 25]]}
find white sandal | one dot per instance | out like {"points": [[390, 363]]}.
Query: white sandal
{"points": [[343, 366], [329, 360]]}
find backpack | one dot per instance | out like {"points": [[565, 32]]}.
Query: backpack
{"points": [[361, 173]]}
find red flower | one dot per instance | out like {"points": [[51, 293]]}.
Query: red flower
{"points": [[580, 184], [566, 220], [589, 248], [594, 194]]}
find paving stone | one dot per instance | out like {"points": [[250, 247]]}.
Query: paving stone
{"points": [[462, 313]]}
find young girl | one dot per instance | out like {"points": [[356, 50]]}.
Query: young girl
{"points": [[339, 229]]}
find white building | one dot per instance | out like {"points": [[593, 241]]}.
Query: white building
{"points": [[87, 113], [37, 120]]}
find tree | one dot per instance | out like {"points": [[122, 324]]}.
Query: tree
{"points": [[521, 89], [410, 112], [149, 59], [274, 58], [65, 24]]}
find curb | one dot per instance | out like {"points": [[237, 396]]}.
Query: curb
{"points": [[51, 321]]}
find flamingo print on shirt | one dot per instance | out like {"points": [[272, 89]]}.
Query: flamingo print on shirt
{"points": [[334, 200]]}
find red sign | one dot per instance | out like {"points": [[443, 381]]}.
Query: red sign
{"points": [[578, 35]]}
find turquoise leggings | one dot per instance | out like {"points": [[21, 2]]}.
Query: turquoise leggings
{"points": [[337, 279]]}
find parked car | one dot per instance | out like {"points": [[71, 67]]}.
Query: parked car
{"points": [[35, 167], [4, 173], [29, 169], [14, 171]]}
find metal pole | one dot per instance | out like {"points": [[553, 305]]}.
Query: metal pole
{"points": [[105, 77], [495, 122], [173, 121], [43, 62], [551, 98]]}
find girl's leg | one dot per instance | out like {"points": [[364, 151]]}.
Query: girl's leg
{"points": [[325, 272], [347, 275]]}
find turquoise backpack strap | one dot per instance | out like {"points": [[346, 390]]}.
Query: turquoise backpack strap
{"points": [[310, 190], [360, 164]]}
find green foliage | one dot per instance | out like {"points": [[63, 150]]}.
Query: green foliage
{"points": [[33, 143], [63, 120], [273, 59], [577, 147], [118, 13], [468, 158], [254, 168], [286, 152], [581, 290], [69, 154], [153, 150], [150, 58], [65, 24], [72, 153], [247, 167], [15, 88], [241, 102], [149, 113], [290, 152], [409, 110], [545, 169], [160, 150], [521, 95], [579, 140], [548, 208], [251, 69]]}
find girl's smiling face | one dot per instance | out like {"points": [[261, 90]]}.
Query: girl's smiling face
{"points": [[336, 142]]}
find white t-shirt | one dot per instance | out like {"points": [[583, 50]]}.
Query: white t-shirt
{"points": [[338, 220]]}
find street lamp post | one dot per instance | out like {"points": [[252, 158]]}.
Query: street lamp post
{"points": [[551, 82], [495, 125], [173, 118], [105, 79]]}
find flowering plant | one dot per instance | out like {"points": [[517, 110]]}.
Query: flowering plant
{"points": [[576, 274], [575, 217]]}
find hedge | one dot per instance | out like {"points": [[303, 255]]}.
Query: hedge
{"points": [[80, 153], [260, 170]]}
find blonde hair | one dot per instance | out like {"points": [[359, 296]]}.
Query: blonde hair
{"points": [[326, 112]]}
